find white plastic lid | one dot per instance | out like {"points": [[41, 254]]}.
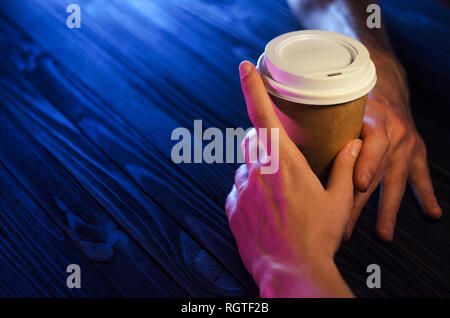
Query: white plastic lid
{"points": [[317, 68]]}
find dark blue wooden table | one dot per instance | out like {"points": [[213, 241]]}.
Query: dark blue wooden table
{"points": [[86, 175]]}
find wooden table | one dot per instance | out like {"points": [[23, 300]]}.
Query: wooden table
{"points": [[86, 175]]}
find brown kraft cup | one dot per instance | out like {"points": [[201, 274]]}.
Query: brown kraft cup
{"points": [[321, 132], [319, 82]]}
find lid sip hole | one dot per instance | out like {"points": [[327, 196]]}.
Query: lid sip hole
{"points": [[334, 74]]}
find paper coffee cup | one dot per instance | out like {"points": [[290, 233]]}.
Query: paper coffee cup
{"points": [[319, 82]]}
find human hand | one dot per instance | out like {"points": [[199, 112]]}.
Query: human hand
{"points": [[287, 226], [393, 151]]}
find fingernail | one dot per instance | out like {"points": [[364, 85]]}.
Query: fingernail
{"points": [[244, 69], [355, 148]]}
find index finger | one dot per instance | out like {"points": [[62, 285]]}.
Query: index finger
{"points": [[259, 105]]}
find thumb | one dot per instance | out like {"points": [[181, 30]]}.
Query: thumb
{"points": [[340, 181]]}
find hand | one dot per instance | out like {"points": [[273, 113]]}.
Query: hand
{"points": [[286, 225], [393, 151]]}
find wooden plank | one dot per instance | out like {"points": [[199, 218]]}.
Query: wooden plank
{"points": [[35, 252], [415, 264], [126, 265], [173, 248], [206, 219], [413, 26], [159, 234]]}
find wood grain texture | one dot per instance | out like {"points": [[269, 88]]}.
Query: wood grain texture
{"points": [[87, 117], [131, 197], [35, 252], [159, 235], [82, 218], [205, 217]]}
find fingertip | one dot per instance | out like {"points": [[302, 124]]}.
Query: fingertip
{"points": [[355, 147], [352, 148], [434, 212], [341, 176], [245, 69], [373, 151], [385, 233], [363, 180]]}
